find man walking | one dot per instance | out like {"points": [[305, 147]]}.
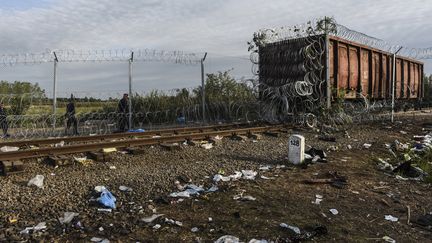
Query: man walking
{"points": [[70, 116], [3, 121], [123, 110]]}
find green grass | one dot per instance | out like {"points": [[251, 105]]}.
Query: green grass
{"points": [[61, 109]]}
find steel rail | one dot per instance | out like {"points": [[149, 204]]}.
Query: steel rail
{"points": [[177, 130], [81, 148]]}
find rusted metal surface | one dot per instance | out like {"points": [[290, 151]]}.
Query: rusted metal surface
{"points": [[361, 69], [81, 148]]}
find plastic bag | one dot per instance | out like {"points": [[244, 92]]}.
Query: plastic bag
{"points": [[37, 181], [107, 199]]}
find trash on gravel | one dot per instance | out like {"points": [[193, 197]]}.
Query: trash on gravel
{"points": [[109, 150], [107, 199], [8, 149], [99, 189], [388, 239], [335, 180], [180, 194], [157, 226], [40, 226], [156, 136], [244, 198], [424, 220], [390, 218], [400, 146], [37, 181], [407, 170], [227, 239], [83, 160], [249, 174], [293, 228], [108, 210], [60, 144], [100, 240], [191, 190], [125, 189], [316, 155], [258, 241], [266, 178], [237, 175], [173, 222], [367, 145], [207, 145], [349, 146], [151, 218], [137, 130], [318, 199], [213, 188], [218, 137], [334, 211], [194, 229], [384, 165], [68, 217], [403, 132], [264, 168]]}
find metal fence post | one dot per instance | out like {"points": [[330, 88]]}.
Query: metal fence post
{"points": [[203, 87], [55, 91], [130, 90], [393, 83]]}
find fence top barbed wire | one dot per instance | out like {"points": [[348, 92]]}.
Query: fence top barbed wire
{"points": [[119, 55]]}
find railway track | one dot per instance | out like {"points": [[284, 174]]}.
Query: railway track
{"points": [[127, 140]]}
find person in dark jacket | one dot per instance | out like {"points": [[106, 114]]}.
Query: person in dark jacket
{"points": [[3, 121], [123, 110], [70, 116]]}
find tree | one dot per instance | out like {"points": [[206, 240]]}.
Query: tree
{"points": [[20, 95]]}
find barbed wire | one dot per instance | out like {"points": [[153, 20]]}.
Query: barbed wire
{"points": [[119, 55], [310, 28]]}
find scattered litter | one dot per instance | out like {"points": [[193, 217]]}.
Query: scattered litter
{"points": [[151, 218], [264, 168], [108, 210], [258, 241], [390, 218], [210, 219], [194, 229], [101, 229], [191, 190], [137, 130], [112, 167], [157, 226], [40, 226], [266, 178], [318, 199], [180, 194], [349, 146], [384, 165], [334, 211], [99, 188], [109, 150], [107, 199], [125, 189], [60, 144], [388, 239], [68, 217], [367, 145], [227, 239], [244, 198], [407, 170], [83, 160], [8, 149], [403, 132], [100, 240], [174, 222], [213, 188], [293, 228], [316, 155], [207, 145], [424, 220], [249, 174], [218, 137], [156, 136], [37, 181]]}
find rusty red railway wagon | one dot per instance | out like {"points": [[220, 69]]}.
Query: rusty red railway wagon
{"points": [[353, 68], [362, 69]]}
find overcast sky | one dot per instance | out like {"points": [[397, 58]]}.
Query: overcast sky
{"points": [[221, 28]]}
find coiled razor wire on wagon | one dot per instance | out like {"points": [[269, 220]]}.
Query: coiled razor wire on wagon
{"points": [[292, 82]]}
